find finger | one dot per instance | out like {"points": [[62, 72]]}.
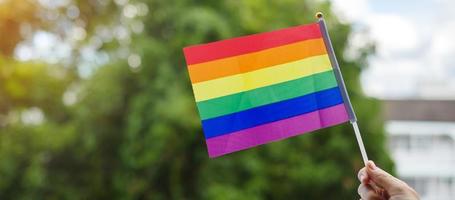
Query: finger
{"points": [[363, 176], [383, 179], [367, 193]]}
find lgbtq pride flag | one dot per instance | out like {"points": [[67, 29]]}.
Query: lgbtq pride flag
{"points": [[265, 87]]}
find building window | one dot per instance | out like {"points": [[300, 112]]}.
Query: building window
{"points": [[420, 143], [400, 142]]}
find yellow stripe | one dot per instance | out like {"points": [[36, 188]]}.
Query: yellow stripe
{"points": [[260, 78]]}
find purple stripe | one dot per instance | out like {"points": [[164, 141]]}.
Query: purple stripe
{"points": [[278, 130]]}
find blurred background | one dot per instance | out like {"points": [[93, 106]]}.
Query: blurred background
{"points": [[96, 103], [413, 74]]}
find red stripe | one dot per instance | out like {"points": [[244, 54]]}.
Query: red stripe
{"points": [[251, 43]]}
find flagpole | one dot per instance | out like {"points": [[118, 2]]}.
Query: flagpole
{"points": [[360, 142], [339, 77]]}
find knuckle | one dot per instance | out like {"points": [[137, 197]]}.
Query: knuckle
{"points": [[359, 189], [362, 190]]}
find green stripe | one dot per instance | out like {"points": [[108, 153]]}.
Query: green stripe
{"points": [[266, 95]]}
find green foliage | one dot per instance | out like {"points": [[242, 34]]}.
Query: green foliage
{"points": [[136, 134]]}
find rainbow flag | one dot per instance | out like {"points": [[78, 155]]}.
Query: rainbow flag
{"points": [[265, 87]]}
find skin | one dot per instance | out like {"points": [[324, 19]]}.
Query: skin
{"points": [[376, 184]]}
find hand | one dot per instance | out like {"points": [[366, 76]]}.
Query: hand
{"points": [[376, 184]]}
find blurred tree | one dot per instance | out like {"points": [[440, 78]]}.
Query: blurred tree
{"points": [[13, 14], [131, 130]]}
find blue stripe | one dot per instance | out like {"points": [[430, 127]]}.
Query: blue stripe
{"points": [[272, 112]]}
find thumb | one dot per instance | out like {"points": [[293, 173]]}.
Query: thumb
{"points": [[383, 179]]}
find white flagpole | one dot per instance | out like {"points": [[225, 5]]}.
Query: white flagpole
{"points": [[360, 142], [339, 77]]}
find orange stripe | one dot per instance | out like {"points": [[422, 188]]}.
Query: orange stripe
{"points": [[256, 60]]}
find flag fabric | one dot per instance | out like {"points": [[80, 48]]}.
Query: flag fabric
{"points": [[265, 87]]}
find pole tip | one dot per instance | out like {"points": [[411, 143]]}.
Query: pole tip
{"points": [[319, 15]]}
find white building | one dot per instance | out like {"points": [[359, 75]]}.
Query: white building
{"points": [[422, 144]]}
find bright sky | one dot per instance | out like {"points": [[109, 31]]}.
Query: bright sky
{"points": [[415, 46]]}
